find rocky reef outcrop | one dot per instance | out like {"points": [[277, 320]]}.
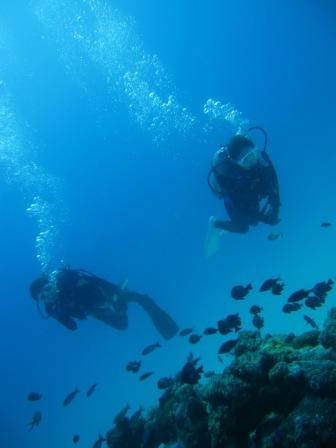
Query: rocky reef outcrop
{"points": [[278, 392]]}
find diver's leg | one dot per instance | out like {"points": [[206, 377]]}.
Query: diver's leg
{"points": [[238, 214], [161, 320], [232, 226], [237, 224], [109, 317], [217, 227]]}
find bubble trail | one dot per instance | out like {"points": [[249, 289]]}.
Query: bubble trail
{"points": [[225, 113], [91, 33], [42, 192]]}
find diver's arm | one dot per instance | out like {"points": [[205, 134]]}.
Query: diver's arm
{"points": [[67, 322], [222, 173], [62, 318]]}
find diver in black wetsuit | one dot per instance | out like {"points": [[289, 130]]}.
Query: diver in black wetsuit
{"points": [[70, 294], [245, 178]]}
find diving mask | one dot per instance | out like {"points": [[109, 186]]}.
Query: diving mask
{"points": [[250, 158]]}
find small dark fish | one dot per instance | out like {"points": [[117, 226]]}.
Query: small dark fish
{"points": [[35, 421], [194, 338], [146, 375], [322, 288], [91, 390], [310, 321], [99, 442], [227, 346], [223, 327], [255, 309], [220, 359], [209, 331], [133, 366], [230, 323], [120, 416], [186, 332], [314, 302], [34, 396], [278, 288], [291, 307], [233, 321], [164, 383], [75, 439], [325, 224], [258, 321], [191, 372], [299, 295], [69, 398], [274, 236], [150, 348], [268, 284], [240, 292]]}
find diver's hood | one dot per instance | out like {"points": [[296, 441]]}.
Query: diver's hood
{"points": [[37, 286], [45, 288]]}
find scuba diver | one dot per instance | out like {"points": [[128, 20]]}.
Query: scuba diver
{"points": [[244, 177], [68, 294]]}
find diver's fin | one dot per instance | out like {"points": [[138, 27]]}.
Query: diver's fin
{"points": [[124, 285], [161, 320], [212, 238]]}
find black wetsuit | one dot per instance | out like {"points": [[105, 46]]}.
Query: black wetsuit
{"points": [[250, 196], [79, 294]]}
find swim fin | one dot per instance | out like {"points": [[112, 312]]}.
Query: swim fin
{"points": [[161, 320], [212, 239]]}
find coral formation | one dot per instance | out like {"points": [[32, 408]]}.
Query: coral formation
{"points": [[279, 391]]}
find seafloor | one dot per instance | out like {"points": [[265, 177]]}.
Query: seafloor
{"points": [[278, 392]]}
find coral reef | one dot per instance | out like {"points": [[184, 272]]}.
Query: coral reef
{"points": [[278, 392]]}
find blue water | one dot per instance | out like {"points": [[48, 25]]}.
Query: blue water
{"points": [[105, 146]]}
